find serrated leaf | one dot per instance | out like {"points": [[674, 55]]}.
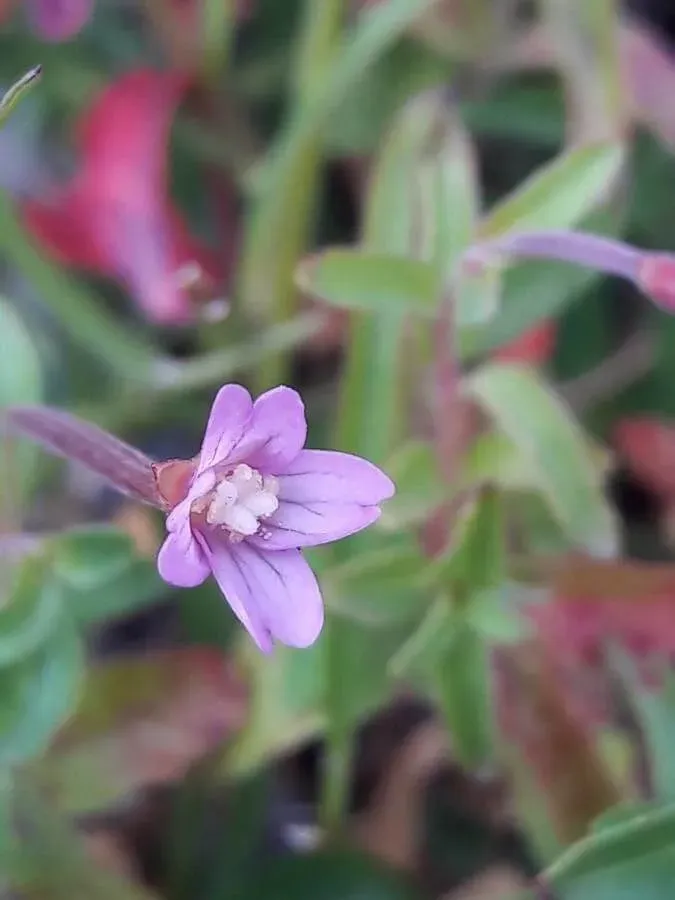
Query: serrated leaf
{"points": [[538, 423], [121, 465], [353, 279]]}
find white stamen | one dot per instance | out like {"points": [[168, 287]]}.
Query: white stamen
{"points": [[241, 499]]}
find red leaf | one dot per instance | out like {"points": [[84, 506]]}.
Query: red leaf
{"points": [[561, 754], [656, 277], [120, 464], [648, 448], [534, 346], [144, 722], [115, 217]]}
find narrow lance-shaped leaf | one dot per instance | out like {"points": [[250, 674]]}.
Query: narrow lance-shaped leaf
{"points": [[123, 466], [560, 194], [370, 282], [20, 382], [538, 423], [465, 695], [18, 90], [372, 397]]}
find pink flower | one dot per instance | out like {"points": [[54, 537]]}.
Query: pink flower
{"points": [[52, 20], [254, 499], [115, 216], [58, 20]]}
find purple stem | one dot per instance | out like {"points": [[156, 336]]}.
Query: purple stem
{"points": [[590, 250]]}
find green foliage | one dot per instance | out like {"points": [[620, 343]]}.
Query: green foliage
{"points": [[347, 157]]}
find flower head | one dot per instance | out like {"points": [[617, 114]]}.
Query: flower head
{"points": [[253, 499]]}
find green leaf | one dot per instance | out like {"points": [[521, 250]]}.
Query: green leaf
{"points": [[634, 858], [465, 696], [328, 875], [372, 283], [376, 30], [560, 194], [88, 558], [18, 90], [38, 695], [624, 813], [102, 574], [419, 487], [20, 373], [477, 558], [537, 422], [30, 610], [82, 316], [286, 705], [20, 384], [478, 294], [654, 707], [422, 651], [494, 615], [381, 586]]}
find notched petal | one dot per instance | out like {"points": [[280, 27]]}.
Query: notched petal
{"points": [[276, 433], [228, 420], [181, 561]]}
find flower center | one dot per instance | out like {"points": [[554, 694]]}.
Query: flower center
{"points": [[241, 499]]}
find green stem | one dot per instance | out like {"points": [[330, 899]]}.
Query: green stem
{"points": [[338, 748], [280, 224], [85, 321]]}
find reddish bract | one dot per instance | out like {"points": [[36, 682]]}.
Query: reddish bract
{"points": [[115, 217], [535, 346], [647, 446]]}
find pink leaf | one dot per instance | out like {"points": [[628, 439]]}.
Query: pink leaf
{"points": [[123, 466], [115, 217]]}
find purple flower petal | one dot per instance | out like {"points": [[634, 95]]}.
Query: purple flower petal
{"points": [[58, 20], [273, 594], [325, 475], [181, 561], [227, 425], [311, 524], [324, 496], [276, 432]]}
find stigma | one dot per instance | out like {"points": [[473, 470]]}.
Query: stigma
{"points": [[241, 500]]}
